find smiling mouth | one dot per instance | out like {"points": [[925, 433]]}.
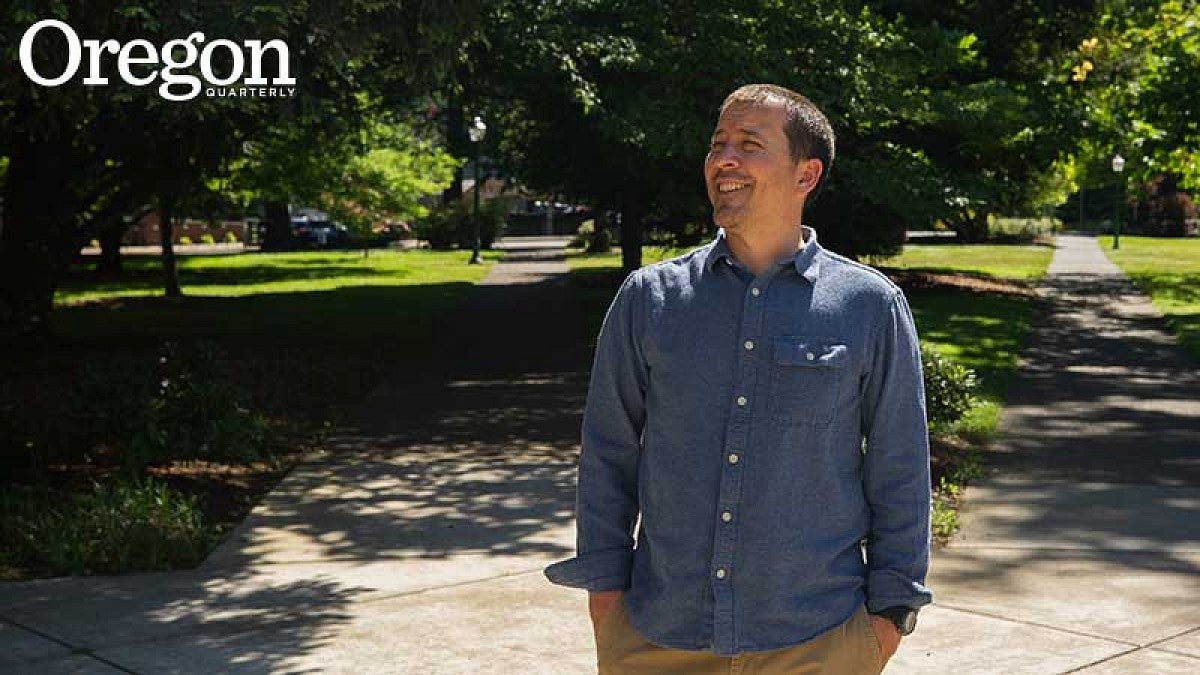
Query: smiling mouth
{"points": [[726, 188]]}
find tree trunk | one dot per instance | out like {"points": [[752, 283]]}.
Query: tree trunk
{"points": [[632, 212], [278, 235], [166, 233], [110, 237], [35, 243], [454, 141]]}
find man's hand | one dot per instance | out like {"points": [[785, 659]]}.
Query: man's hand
{"points": [[887, 634], [600, 603]]}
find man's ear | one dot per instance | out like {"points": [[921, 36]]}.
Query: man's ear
{"points": [[812, 173]]}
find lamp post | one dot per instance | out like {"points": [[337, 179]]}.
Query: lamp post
{"points": [[1118, 166], [476, 131]]}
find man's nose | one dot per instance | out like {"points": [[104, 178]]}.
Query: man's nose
{"points": [[726, 157]]}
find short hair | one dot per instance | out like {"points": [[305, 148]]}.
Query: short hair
{"points": [[808, 131]]}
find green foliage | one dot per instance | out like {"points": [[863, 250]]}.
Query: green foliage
{"points": [[1021, 229], [399, 167], [448, 226], [950, 389], [207, 238], [121, 525], [178, 408], [591, 238], [1129, 80], [231, 238], [185, 241]]}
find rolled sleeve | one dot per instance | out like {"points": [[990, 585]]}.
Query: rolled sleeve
{"points": [[606, 506], [896, 464]]}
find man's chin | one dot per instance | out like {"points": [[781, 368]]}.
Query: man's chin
{"points": [[728, 220]]}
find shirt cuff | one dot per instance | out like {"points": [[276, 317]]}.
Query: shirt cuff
{"points": [[886, 588], [600, 571]]}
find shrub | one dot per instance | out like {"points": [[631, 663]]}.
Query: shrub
{"points": [[1021, 229], [230, 237], [207, 238], [583, 234], [949, 389], [123, 525], [592, 238], [448, 225], [177, 408], [184, 241]]}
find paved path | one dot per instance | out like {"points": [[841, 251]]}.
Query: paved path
{"points": [[420, 549], [1080, 552]]}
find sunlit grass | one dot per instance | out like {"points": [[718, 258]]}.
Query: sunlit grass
{"points": [[1005, 261], [1168, 269], [264, 273]]}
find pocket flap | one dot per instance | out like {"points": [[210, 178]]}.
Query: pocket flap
{"points": [[798, 351]]}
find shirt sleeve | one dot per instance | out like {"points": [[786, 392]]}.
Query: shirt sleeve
{"points": [[896, 464], [606, 506]]}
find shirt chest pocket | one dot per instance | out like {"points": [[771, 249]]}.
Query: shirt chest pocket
{"points": [[806, 378]]}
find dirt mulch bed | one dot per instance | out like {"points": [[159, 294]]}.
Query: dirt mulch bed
{"points": [[959, 281]]}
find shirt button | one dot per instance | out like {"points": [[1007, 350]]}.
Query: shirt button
{"points": [[810, 356], [726, 516], [733, 458], [742, 401], [749, 344], [721, 572], [755, 292]]}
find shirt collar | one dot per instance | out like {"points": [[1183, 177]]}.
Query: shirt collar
{"points": [[806, 259]]}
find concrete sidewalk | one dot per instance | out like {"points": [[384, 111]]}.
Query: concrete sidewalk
{"points": [[1080, 551], [419, 550]]}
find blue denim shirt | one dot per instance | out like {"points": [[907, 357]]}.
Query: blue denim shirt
{"points": [[770, 431]]}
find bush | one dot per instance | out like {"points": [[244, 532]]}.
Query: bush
{"points": [[230, 237], [207, 238], [449, 225], [124, 525], [177, 408], [591, 238], [949, 389], [1021, 229], [185, 241]]}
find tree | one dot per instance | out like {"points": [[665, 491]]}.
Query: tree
{"points": [[78, 156]]}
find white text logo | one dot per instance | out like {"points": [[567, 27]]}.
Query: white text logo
{"points": [[175, 57]]}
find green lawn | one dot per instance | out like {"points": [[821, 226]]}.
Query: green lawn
{"points": [[1168, 270], [335, 298], [1006, 261]]}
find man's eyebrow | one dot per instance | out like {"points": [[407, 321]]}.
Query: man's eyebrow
{"points": [[749, 131]]}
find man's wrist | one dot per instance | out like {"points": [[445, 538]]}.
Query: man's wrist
{"points": [[902, 617]]}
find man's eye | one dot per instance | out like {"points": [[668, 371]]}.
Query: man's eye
{"points": [[716, 146], [754, 145]]}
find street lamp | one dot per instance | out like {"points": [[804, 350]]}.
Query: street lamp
{"points": [[476, 131], [1118, 166]]}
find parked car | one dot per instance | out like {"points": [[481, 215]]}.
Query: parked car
{"points": [[320, 233]]}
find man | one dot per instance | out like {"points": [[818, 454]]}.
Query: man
{"points": [[759, 403]]}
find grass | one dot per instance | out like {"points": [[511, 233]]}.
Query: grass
{"points": [[970, 302], [305, 335], [1168, 270], [1003, 261], [117, 526]]}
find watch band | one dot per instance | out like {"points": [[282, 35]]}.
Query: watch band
{"points": [[904, 618]]}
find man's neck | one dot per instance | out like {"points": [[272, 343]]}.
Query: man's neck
{"points": [[757, 252]]}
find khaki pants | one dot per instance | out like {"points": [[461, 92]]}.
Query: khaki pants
{"points": [[849, 649]]}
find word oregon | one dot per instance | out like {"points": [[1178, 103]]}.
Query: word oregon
{"points": [[175, 56]]}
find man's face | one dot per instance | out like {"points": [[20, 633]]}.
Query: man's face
{"points": [[749, 171]]}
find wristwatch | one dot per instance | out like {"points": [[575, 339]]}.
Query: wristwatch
{"points": [[905, 618]]}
